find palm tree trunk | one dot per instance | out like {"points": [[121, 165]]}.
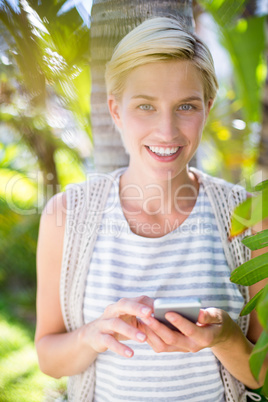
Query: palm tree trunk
{"points": [[110, 22], [263, 157]]}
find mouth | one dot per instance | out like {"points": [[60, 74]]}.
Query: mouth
{"points": [[160, 151], [167, 154]]}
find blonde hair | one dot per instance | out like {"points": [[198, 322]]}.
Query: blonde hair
{"points": [[159, 39]]}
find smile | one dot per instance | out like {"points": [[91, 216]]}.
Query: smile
{"points": [[160, 151]]}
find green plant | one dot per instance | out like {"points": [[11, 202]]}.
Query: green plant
{"points": [[240, 30], [21, 379], [44, 83], [252, 211]]}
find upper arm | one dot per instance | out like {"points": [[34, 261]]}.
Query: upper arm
{"points": [[255, 327], [49, 258]]}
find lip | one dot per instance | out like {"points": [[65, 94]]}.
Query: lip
{"points": [[166, 159]]}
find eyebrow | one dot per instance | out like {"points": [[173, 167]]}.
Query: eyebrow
{"points": [[144, 97], [152, 98]]}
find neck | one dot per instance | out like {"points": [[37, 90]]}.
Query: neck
{"points": [[140, 192]]}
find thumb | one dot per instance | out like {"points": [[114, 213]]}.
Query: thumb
{"points": [[210, 316]]}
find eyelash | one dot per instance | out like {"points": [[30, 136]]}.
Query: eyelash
{"points": [[141, 107], [150, 107], [187, 104]]}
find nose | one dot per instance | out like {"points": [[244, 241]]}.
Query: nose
{"points": [[167, 126]]}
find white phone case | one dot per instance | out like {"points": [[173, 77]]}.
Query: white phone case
{"points": [[188, 307]]}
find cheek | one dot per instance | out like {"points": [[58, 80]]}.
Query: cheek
{"points": [[194, 125], [133, 128]]}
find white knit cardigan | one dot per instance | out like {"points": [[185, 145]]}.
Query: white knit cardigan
{"points": [[85, 206]]}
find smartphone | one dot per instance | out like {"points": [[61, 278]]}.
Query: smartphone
{"points": [[188, 307]]}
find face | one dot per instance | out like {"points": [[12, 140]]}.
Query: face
{"points": [[161, 115]]}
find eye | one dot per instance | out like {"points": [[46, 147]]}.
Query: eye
{"points": [[146, 107], [186, 107]]}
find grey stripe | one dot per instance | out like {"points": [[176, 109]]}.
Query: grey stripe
{"points": [[142, 242], [138, 289], [191, 274], [167, 389], [175, 357], [160, 265], [161, 379], [168, 253], [163, 389]]}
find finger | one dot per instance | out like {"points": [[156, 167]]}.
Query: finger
{"points": [[210, 316], [167, 335], [185, 326], [156, 343], [165, 344], [128, 306], [156, 325], [145, 300], [115, 346], [199, 336], [122, 329]]}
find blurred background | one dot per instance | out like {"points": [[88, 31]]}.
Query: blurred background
{"points": [[47, 55]]}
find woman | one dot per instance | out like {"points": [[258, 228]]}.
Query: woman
{"points": [[110, 246]]}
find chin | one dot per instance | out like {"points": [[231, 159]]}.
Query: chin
{"points": [[166, 173]]}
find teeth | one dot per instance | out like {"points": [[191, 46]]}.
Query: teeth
{"points": [[164, 151]]}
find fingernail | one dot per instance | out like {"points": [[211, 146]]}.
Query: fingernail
{"points": [[171, 318], [146, 310], [141, 337], [128, 353]]}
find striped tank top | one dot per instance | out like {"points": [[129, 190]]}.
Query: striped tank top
{"points": [[188, 261]]}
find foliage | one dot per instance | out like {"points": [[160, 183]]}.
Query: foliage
{"points": [[18, 235], [44, 127], [244, 39], [252, 211], [237, 110], [45, 80], [247, 214], [24, 383], [51, 51]]}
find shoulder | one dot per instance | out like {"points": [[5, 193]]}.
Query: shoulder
{"points": [[93, 186], [219, 188], [53, 218]]}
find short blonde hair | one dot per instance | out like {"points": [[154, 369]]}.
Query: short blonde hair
{"points": [[159, 39]]}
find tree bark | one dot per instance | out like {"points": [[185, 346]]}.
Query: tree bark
{"points": [[263, 157], [111, 20]]}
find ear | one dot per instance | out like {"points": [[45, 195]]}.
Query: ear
{"points": [[209, 106], [114, 108]]}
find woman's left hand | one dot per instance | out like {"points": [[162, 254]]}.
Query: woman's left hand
{"points": [[214, 326]]}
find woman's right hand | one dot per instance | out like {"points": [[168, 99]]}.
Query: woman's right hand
{"points": [[62, 353], [119, 322]]}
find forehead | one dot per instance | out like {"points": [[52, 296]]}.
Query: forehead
{"points": [[165, 78]]}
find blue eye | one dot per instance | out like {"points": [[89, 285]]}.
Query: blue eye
{"points": [[145, 107], [186, 107]]}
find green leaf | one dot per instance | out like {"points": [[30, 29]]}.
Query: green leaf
{"points": [[264, 390], [261, 186], [262, 308], [251, 271], [247, 37], [250, 212], [252, 303], [256, 241], [224, 11], [258, 354]]}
